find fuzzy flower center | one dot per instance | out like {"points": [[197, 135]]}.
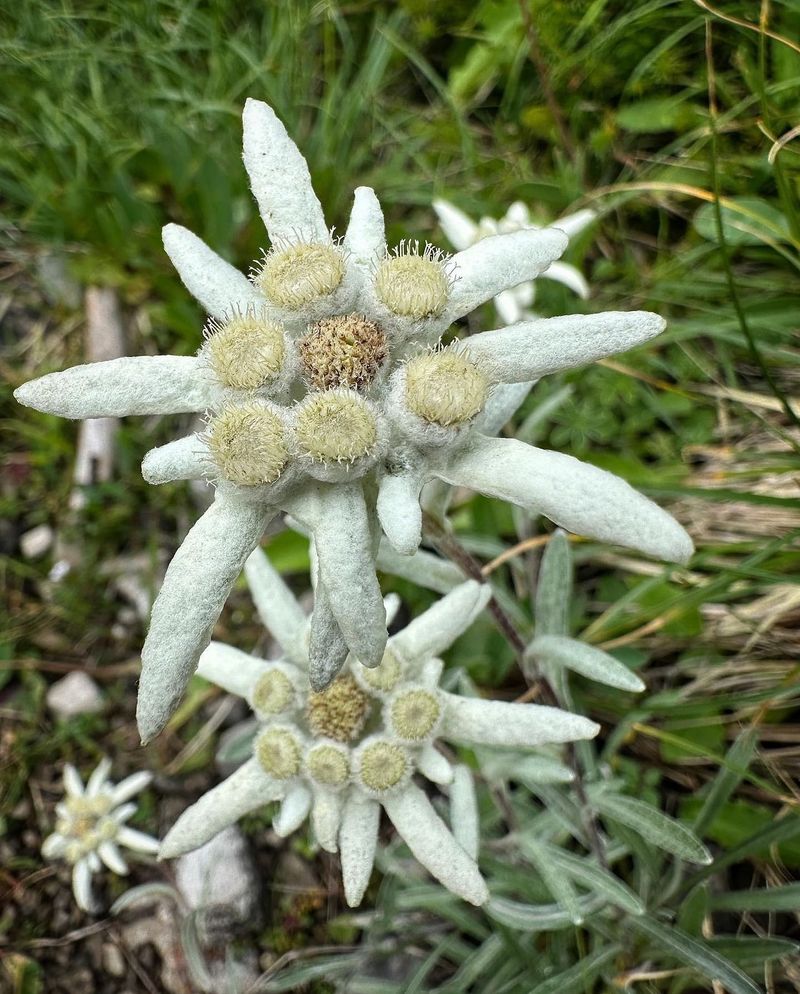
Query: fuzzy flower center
{"points": [[383, 677], [248, 443], [383, 765], [273, 693], [414, 714], [246, 352], [335, 426], [297, 275], [328, 765], [344, 351], [339, 712], [445, 388], [278, 751], [413, 285]]}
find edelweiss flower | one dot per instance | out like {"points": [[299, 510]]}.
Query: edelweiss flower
{"points": [[330, 399], [514, 304], [343, 753], [91, 827]]}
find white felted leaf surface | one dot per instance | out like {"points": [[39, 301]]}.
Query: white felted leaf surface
{"points": [[195, 588], [504, 400], [112, 857], [573, 224], [531, 349], [579, 497], [82, 885], [500, 262], [509, 306], [98, 777], [586, 660], [424, 568], [293, 810], [327, 648], [277, 607], [471, 719], [140, 841], [358, 839], [434, 766], [436, 629], [231, 669], [246, 789], [213, 282], [339, 520], [326, 816], [168, 384], [365, 238], [568, 276], [279, 177], [464, 811], [399, 511], [184, 458], [429, 839], [458, 227]]}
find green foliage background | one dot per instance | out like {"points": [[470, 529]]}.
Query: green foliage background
{"points": [[121, 116]]}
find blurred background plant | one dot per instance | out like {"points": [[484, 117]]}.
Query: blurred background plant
{"points": [[671, 118]]}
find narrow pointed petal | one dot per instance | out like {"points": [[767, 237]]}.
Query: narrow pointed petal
{"points": [[508, 305], [192, 596], [499, 263], [391, 604], [358, 840], [112, 857], [472, 719], [279, 177], [437, 628], [575, 495], [326, 817], [294, 809], [138, 841], [233, 670], [246, 789], [430, 673], [423, 568], [434, 766], [123, 812], [531, 349], [98, 777], [167, 384], [460, 230], [573, 224], [338, 517], [73, 785], [365, 239], [504, 401], [464, 811], [277, 606], [82, 886], [585, 659], [129, 787], [327, 648], [54, 846], [429, 839], [217, 285], [183, 459], [570, 277], [399, 511]]}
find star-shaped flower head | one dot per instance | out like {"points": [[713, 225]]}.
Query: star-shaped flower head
{"points": [[92, 827], [515, 304], [330, 398], [344, 753]]}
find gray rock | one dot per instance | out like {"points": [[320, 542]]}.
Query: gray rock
{"points": [[74, 694], [220, 882]]}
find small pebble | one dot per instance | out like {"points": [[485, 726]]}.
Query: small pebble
{"points": [[76, 693], [36, 542]]}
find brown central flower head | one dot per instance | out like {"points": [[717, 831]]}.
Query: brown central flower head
{"points": [[340, 711], [343, 351]]}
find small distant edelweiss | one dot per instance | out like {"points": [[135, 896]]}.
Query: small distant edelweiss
{"points": [[91, 827], [343, 753], [329, 397], [514, 304]]}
